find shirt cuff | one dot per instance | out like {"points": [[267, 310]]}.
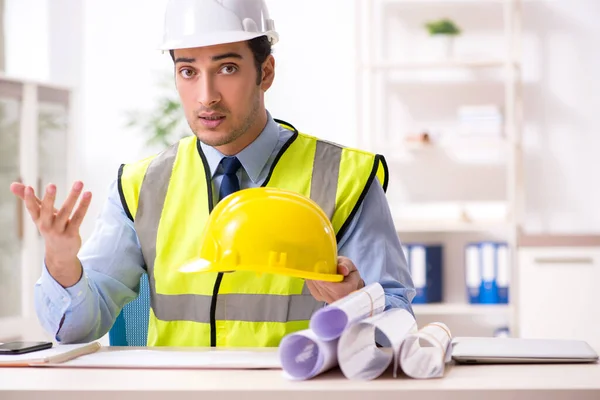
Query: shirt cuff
{"points": [[395, 301], [63, 298]]}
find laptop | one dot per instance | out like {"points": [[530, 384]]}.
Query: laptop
{"points": [[492, 350]]}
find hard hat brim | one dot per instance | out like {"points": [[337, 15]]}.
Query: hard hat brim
{"points": [[201, 266], [216, 38]]}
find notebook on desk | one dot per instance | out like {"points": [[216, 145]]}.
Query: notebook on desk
{"points": [[55, 355], [94, 355], [177, 358], [490, 350]]}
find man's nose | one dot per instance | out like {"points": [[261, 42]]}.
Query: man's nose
{"points": [[208, 94]]}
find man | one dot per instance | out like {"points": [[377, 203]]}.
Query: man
{"points": [[158, 206]]}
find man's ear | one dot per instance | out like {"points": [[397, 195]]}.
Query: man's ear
{"points": [[268, 73]]}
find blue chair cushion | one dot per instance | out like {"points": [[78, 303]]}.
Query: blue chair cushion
{"points": [[131, 325]]}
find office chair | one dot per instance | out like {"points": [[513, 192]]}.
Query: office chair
{"points": [[131, 325]]}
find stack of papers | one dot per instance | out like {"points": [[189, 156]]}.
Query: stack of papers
{"points": [[181, 358], [93, 355]]}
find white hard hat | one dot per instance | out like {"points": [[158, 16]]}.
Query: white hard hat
{"points": [[197, 23]]}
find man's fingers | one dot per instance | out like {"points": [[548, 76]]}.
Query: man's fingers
{"points": [[62, 217], [79, 213], [325, 293], [336, 290], [18, 189], [343, 270], [345, 266], [30, 203], [47, 208], [315, 291]]}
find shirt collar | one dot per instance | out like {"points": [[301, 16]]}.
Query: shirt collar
{"points": [[254, 157]]}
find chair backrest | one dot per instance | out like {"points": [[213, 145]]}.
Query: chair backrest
{"points": [[131, 326]]}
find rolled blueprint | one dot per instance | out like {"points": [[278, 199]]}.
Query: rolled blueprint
{"points": [[425, 353], [303, 355], [359, 357], [329, 322]]}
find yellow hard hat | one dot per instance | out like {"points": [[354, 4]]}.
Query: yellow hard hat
{"points": [[268, 230]]}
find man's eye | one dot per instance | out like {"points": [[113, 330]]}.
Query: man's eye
{"points": [[228, 69], [187, 73]]}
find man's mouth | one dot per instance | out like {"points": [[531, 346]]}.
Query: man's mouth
{"points": [[213, 118], [211, 121]]}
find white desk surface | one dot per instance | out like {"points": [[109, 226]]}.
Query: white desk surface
{"points": [[487, 382]]}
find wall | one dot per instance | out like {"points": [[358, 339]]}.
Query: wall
{"points": [[561, 109], [26, 24], [120, 68], [314, 84], [2, 41], [115, 68]]}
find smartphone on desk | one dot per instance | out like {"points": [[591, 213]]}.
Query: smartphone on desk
{"points": [[23, 347]]}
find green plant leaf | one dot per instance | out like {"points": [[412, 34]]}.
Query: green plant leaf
{"points": [[442, 27], [164, 123]]}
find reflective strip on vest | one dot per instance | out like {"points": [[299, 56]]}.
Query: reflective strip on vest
{"points": [[326, 171], [150, 204], [237, 307]]}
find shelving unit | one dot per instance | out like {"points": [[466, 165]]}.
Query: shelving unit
{"points": [[35, 148], [401, 90]]}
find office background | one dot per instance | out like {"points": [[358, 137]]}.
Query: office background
{"points": [[522, 75]]}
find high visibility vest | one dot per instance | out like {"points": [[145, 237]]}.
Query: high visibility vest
{"points": [[169, 198]]}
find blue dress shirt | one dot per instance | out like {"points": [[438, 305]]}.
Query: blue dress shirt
{"points": [[113, 264]]}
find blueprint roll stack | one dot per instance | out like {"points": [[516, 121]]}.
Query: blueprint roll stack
{"points": [[310, 352]]}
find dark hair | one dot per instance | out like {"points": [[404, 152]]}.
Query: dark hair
{"points": [[261, 49]]}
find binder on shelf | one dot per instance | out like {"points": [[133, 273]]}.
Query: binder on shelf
{"points": [[502, 272], [487, 272], [425, 264], [488, 292], [472, 272]]}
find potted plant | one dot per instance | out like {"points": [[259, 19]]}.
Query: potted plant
{"points": [[165, 123], [441, 35]]}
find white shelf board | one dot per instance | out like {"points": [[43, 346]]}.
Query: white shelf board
{"points": [[436, 65], [460, 309], [39, 83], [457, 2], [459, 142], [447, 2], [448, 226]]}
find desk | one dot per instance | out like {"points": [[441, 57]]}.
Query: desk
{"points": [[490, 382]]}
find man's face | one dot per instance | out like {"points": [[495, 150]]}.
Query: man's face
{"points": [[219, 91]]}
